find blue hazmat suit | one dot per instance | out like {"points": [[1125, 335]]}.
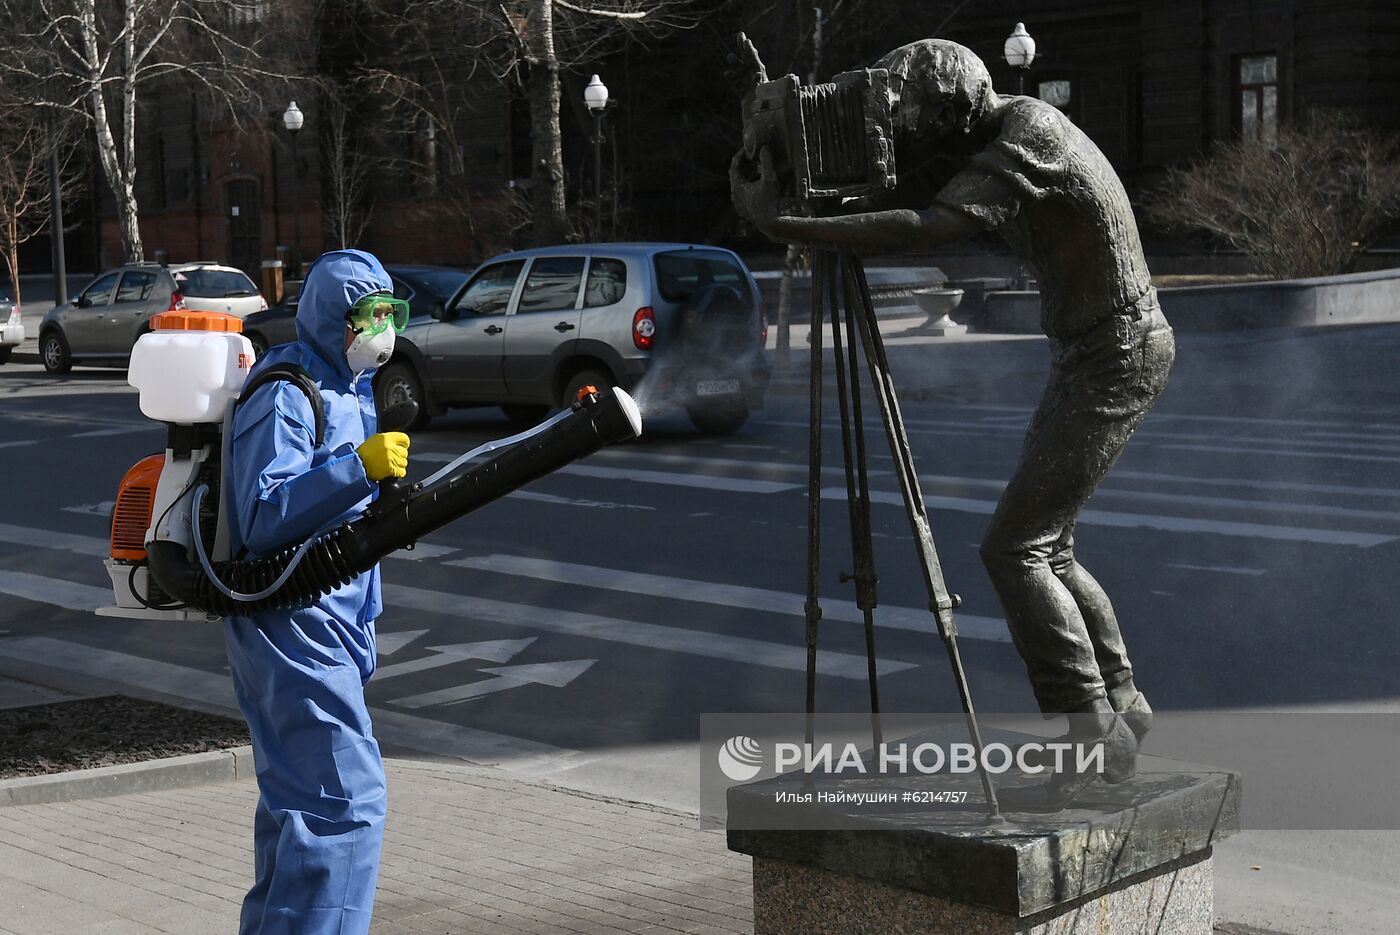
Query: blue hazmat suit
{"points": [[300, 675]]}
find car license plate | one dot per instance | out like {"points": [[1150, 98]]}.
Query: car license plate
{"points": [[717, 388]]}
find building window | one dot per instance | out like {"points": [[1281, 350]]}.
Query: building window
{"points": [[1055, 92], [1256, 97], [243, 12], [1059, 93]]}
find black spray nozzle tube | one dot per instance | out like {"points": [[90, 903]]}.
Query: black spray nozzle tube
{"points": [[399, 517]]}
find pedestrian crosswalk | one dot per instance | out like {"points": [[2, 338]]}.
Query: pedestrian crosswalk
{"points": [[659, 488]]}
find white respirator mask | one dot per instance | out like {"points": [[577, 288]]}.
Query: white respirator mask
{"points": [[370, 350]]}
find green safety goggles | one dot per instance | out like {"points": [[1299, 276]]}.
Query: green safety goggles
{"points": [[376, 312]]}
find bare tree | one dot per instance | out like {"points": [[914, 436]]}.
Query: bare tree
{"points": [[27, 140], [528, 43], [346, 167], [1307, 204], [92, 60]]}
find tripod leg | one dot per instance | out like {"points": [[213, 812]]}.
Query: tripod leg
{"points": [[812, 608], [857, 502], [941, 603]]}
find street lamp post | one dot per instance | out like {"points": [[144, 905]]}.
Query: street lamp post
{"points": [[293, 119], [595, 95], [60, 272], [1019, 51]]}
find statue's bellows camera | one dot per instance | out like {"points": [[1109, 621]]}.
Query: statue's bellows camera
{"points": [[827, 140]]}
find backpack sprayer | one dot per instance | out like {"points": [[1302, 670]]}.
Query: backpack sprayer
{"points": [[170, 554]]}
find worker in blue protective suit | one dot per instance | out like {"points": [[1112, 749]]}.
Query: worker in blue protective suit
{"points": [[300, 675]]}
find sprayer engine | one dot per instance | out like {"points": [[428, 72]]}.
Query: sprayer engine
{"points": [[170, 554]]}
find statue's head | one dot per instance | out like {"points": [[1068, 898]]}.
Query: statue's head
{"points": [[938, 87]]}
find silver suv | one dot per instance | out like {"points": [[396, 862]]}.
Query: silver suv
{"points": [[677, 325]]}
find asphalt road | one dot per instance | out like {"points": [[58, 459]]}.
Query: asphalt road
{"points": [[1249, 538]]}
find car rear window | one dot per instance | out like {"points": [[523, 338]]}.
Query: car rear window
{"points": [[214, 283], [682, 273], [607, 282]]}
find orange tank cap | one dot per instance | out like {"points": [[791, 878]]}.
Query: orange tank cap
{"points": [[196, 321]]}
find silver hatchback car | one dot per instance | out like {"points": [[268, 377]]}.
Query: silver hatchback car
{"points": [[676, 325], [103, 322]]}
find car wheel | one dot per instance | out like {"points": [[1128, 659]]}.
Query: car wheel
{"points": [[718, 420], [397, 383], [259, 343], [53, 350], [525, 414], [580, 380]]}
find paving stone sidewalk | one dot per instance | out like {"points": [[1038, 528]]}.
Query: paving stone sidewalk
{"points": [[466, 851]]}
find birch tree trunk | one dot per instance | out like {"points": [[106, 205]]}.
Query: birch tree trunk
{"points": [[551, 220], [118, 166]]}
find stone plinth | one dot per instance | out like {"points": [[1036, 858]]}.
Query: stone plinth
{"points": [[1131, 857]]}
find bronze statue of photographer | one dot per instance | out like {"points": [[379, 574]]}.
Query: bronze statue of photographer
{"points": [[1023, 168]]}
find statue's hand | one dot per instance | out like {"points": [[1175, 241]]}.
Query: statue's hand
{"points": [[743, 68], [756, 199]]}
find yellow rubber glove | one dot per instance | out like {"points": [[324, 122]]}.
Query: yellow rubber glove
{"points": [[384, 455]]}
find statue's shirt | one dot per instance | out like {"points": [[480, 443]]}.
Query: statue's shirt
{"points": [[1056, 200]]}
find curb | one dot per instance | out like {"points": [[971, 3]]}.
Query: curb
{"points": [[193, 769]]}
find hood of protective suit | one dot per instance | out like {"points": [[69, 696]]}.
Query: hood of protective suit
{"points": [[336, 281]]}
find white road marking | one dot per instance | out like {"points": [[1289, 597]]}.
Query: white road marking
{"points": [[422, 551], [1229, 449], [754, 467], [672, 479], [55, 591], [635, 633], [1223, 569], [1151, 434], [1253, 483], [1364, 540], [517, 754], [555, 674], [47, 539], [122, 430], [92, 509], [540, 497], [1109, 490], [725, 595], [488, 651], [386, 644], [20, 443]]}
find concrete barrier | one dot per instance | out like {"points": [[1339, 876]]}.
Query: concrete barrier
{"points": [[890, 288], [1351, 299]]}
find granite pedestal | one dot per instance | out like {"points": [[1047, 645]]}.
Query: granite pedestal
{"points": [[1130, 857]]}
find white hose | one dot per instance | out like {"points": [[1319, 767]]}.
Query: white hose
{"points": [[209, 570], [492, 446]]}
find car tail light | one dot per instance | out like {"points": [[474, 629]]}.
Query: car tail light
{"points": [[262, 303], [644, 328], [14, 314], [177, 303]]}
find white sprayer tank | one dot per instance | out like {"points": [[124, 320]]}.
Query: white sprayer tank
{"points": [[190, 366]]}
